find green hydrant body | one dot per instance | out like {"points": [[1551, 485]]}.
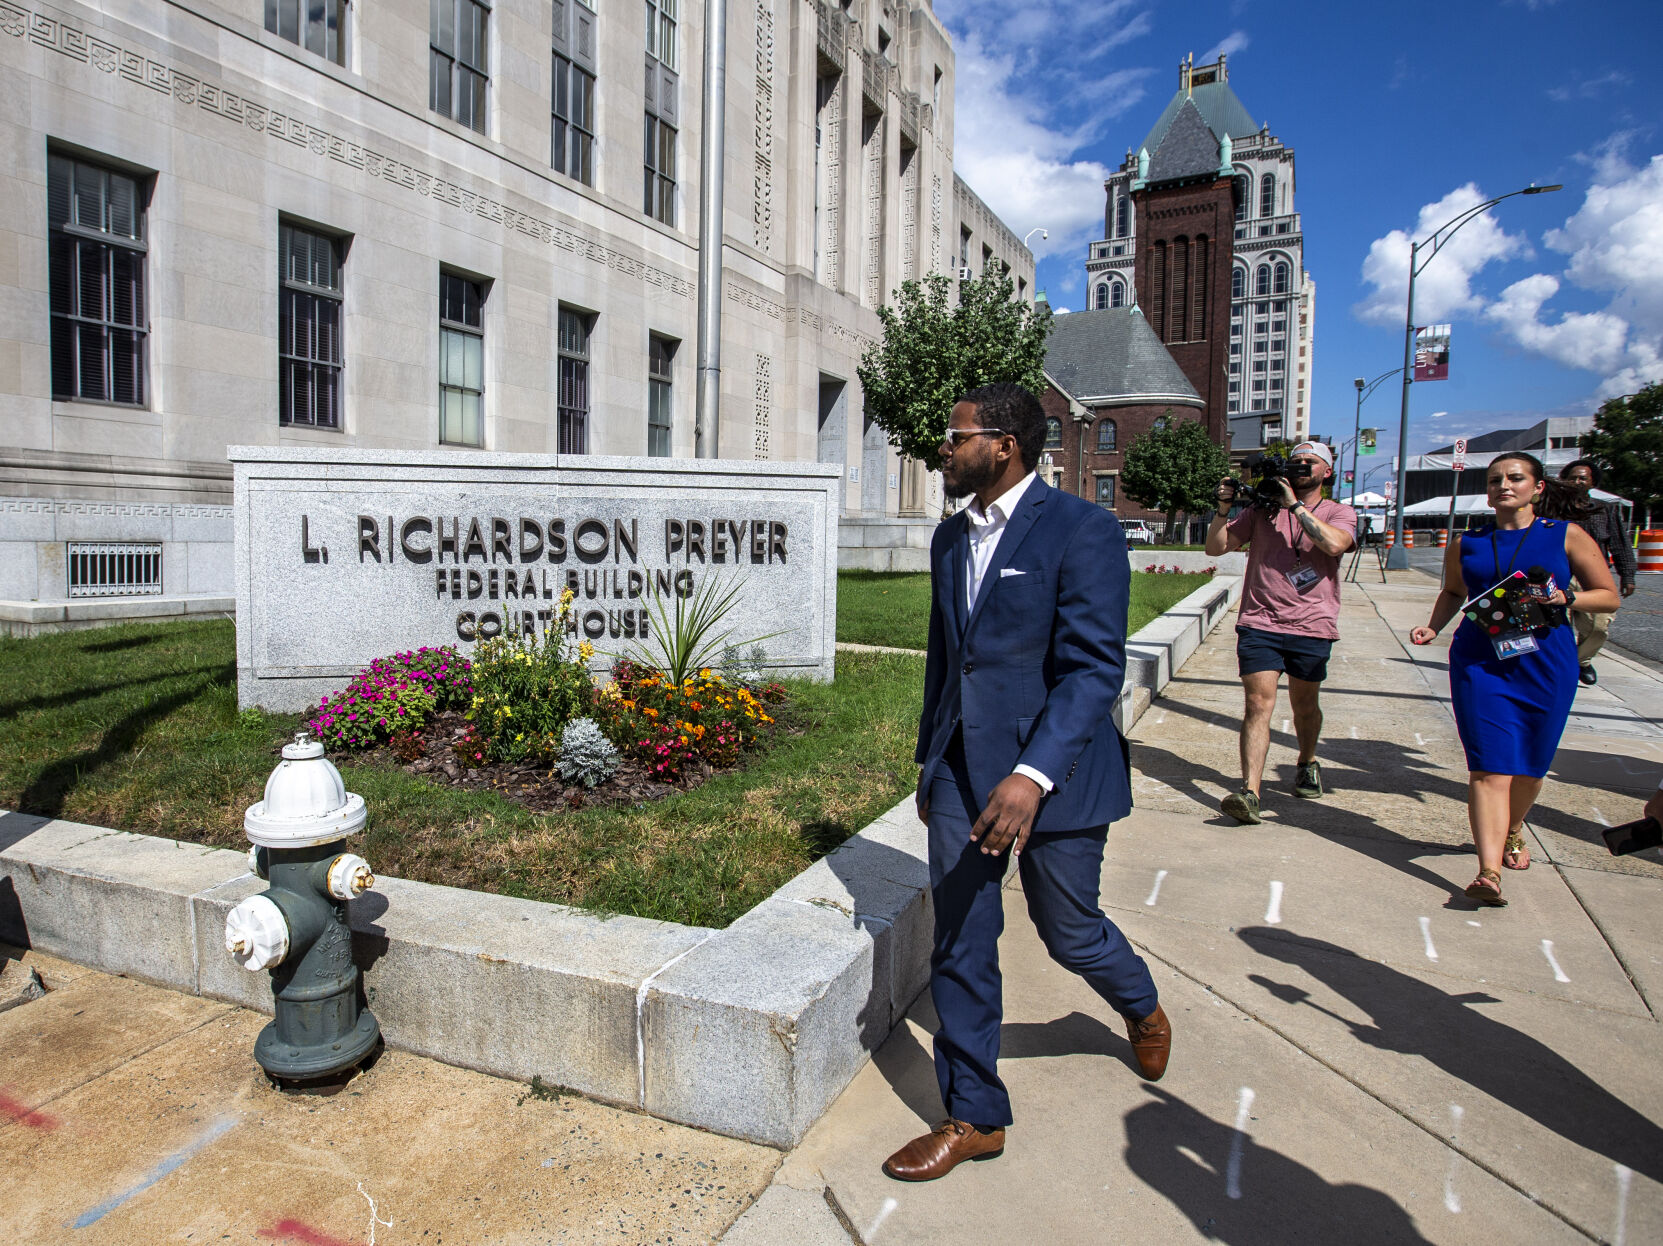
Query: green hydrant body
{"points": [[297, 928]]}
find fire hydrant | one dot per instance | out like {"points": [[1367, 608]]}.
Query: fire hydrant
{"points": [[297, 928]]}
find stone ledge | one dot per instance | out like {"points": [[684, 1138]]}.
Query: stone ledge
{"points": [[35, 618], [750, 1031]]}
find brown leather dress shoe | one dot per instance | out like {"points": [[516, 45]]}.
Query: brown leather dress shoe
{"points": [[941, 1150], [1151, 1042]]}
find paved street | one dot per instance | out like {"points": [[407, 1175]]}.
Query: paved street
{"points": [[1361, 1055]]}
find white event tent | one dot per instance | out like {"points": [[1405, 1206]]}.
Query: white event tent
{"points": [[1479, 504]]}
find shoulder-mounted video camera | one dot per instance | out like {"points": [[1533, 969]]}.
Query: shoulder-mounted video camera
{"points": [[1266, 470]]}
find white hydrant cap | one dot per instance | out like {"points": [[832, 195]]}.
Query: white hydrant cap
{"points": [[349, 876], [306, 802], [256, 934]]}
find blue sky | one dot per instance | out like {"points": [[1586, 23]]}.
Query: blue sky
{"points": [[1400, 117]]}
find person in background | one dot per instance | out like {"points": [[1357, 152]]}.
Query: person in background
{"points": [[1603, 522], [1512, 692]]}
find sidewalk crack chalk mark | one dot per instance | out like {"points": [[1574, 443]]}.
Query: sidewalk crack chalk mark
{"points": [[1273, 912], [1155, 891], [1598, 816], [177, 1160], [374, 1219], [290, 1230], [24, 1115], [889, 1205], [1452, 1200], [1426, 934], [1625, 1178], [1232, 1171], [1547, 951]]}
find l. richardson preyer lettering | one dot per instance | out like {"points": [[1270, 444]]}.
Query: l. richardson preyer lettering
{"points": [[478, 560]]}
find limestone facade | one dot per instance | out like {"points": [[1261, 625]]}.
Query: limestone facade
{"points": [[427, 158]]}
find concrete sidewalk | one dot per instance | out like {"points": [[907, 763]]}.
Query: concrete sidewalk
{"points": [[1361, 1055]]}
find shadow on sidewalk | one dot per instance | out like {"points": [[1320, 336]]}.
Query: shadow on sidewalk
{"points": [[1417, 1019], [1254, 1196]]}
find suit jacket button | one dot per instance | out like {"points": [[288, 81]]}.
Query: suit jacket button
{"points": [[967, 668]]}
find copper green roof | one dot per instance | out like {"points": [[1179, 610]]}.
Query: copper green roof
{"points": [[1219, 108]]}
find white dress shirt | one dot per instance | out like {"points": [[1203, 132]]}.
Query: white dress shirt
{"points": [[986, 527]]}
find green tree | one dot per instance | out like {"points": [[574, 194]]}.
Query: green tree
{"points": [[1172, 469], [1627, 442], [935, 350]]}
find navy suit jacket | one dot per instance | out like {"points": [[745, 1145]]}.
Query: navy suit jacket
{"points": [[1033, 673]]}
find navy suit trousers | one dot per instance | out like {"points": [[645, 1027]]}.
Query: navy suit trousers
{"points": [[1060, 875]]}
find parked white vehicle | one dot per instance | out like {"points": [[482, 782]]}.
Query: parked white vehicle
{"points": [[1137, 532]]}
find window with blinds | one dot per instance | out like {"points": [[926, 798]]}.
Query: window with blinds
{"points": [[461, 361], [96, 255], [309, 358], [573, 399], [459, 60], [661, 353]]}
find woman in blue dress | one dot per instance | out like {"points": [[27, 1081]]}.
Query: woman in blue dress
{"points": [[1512, 693]]}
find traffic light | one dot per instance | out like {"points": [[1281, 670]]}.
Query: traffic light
{"points": [[1368, 440]]}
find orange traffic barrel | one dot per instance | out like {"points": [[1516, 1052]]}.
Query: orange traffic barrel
{"points": [[1408, 538], [1651, 550], [1391, 537], [1443, 538]]}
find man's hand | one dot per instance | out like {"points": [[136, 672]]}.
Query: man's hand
{"points": [[1628, 589], [1009, 815], [1225, 494], [923, 808], [1289, 497]]}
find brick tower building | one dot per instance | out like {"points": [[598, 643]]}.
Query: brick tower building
{"points": [[1200, 230]]}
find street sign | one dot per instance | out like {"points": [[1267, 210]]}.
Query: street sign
{"points": [[1460, 460]]}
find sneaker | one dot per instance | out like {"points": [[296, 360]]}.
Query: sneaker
{"points": [[1588, 675], [1243, 806], [1308, 782]]}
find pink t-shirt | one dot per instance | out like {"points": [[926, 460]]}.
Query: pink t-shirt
{"points": [[1277, 547]]}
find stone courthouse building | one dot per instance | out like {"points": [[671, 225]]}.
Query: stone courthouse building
{"points": [[1200, 230], [433, 224]]}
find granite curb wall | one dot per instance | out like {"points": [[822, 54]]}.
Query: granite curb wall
{"points": [[750, 1031]]}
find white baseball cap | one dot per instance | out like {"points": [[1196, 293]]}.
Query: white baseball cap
{"points": [[1317, 448]]}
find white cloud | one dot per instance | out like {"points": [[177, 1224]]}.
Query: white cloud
{"points": [[1589, 88], [1031, 92], [1235, 41], [1615, 244], [1444, 287]]}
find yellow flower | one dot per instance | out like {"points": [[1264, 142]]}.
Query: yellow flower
{"points": [[585, 650]]}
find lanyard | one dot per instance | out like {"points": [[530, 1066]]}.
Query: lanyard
{"points": [[1299, 531], [1496, 552]]}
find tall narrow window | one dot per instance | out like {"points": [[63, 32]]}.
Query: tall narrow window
{"points": [[1117, 294], [1053, 433], [659, 178], [1178, 330], [1261, 280], [1107, 436], [1238, 283], [661, 352], [309, 327], [572, 102], [574, 382], [1105, 491], [1283, 276], [573, 148], [1200, 285], [97, 249], [461, 361], [1100, 297], [1122, 214], [319, 26], [661, 31], [458, 60], [1244, 191], [1267, 195]]}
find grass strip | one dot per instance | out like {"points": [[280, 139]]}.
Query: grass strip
{"points": [[136, 727]]}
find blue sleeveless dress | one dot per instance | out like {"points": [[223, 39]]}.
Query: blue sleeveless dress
{"points": [[1511, 711]]}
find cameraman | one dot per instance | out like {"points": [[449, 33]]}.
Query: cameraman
{"points": [[1290, 607]]}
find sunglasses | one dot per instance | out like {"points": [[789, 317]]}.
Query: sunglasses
{"points": [[958, 436]]}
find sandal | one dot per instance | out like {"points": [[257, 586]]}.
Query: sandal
{"points": [[1486, 889], [1516, 856]]}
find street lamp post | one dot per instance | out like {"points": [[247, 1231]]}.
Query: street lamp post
{"points": [[1364, 389], [1398, 557], [1044, 234]]}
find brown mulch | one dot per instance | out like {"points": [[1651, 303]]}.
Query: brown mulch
{"points": [[535, 785]]}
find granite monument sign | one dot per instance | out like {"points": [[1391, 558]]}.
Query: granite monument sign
{"points": [[343, 556]]}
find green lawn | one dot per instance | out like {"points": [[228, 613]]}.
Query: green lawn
{"points": [[137, 727], [890, 608]]}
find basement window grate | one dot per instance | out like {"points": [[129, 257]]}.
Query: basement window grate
{"points": [[130, 569]]}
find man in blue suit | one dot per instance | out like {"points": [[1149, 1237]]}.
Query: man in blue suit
{"points": [[1019, 753]]}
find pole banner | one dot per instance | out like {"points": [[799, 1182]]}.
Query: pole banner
{"points": [[1432, 353]]}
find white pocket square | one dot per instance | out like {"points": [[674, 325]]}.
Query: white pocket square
{"points": [[1004, 571]]}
